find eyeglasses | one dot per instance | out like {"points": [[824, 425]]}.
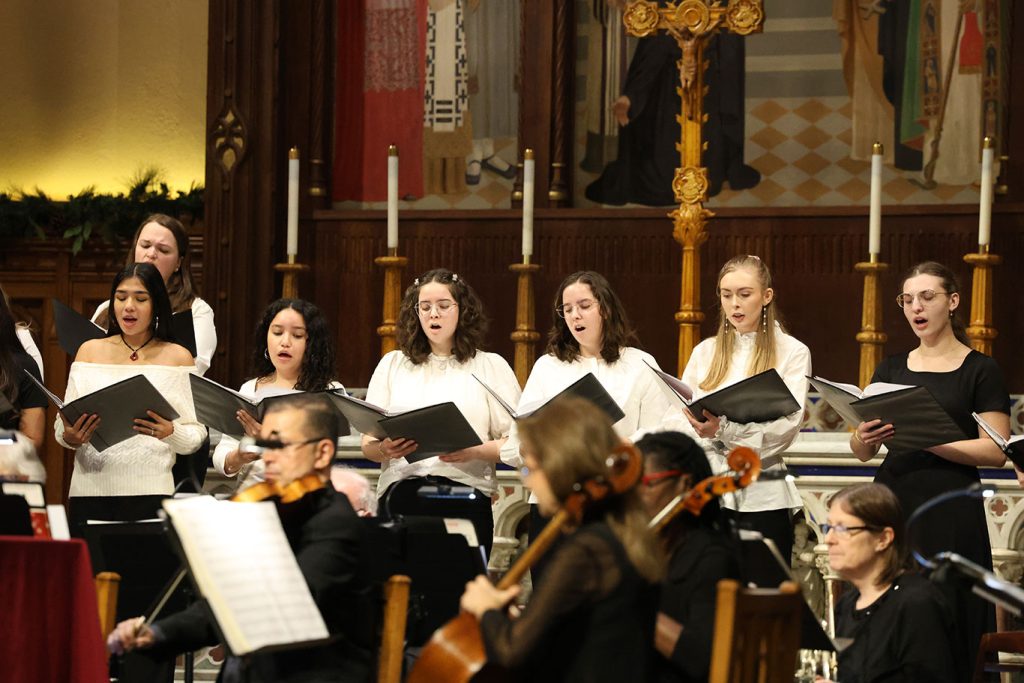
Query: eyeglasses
{"points": [[255, 446], [652, 480], [843, 531], [925, 296], [584, 305], [443, 306]]}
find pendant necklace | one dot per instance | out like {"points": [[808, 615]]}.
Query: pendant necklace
{"points": [[135, 351]]}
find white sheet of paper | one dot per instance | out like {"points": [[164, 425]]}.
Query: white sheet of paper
{"points": [[58, 523]]}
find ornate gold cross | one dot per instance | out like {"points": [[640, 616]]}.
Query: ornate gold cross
{"points": [[691, 23]]}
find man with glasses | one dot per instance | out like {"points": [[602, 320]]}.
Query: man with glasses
{"points": [[297, 444]]}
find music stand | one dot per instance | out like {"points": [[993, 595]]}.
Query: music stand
{"points": [[763, 567], [14, 516], [438, 562]]}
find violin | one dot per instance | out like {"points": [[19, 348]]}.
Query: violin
{"points": [[745, 468], [455, 653], [289, 493]]}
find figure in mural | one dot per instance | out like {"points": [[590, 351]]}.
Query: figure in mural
{"points": [[647, 111]]}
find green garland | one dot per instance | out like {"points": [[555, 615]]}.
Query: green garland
{"points": [[87, 215]]}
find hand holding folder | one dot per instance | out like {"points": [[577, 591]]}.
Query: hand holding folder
{"points": [[761, 398], [1013, 447], [117, 408], [918, 420]]}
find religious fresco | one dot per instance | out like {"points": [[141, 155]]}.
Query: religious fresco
{"points": [[822, 83]]}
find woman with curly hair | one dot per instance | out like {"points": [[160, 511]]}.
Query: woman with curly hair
{"points": [[292, 351], [441, 327]]}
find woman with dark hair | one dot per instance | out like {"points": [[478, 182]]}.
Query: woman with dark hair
{"points": [[22, 403], [749, 340], [701, 553], [900, 623], [962, 381], [128, 480], [292, 351], [162, 241], [591, 333], [592, 619], [440, 332]]}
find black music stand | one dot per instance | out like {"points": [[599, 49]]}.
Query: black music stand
{"points": [[439, 564], [763, 567]]}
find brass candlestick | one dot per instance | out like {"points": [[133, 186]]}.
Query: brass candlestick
{"points": [[871, 336], [524, 337], [392, 265], [980, 330], [290, 277]]}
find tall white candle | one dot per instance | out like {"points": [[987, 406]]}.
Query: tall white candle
{"points": [[293, 202], [528, 191], [392, 197], [987, 181], [875, 212]]}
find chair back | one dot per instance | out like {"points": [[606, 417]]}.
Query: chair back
{"points": [[107, 584], [757, 634], [392, 637]]}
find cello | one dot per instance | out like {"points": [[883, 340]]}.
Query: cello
{"points": [[456, 653], [744, 469]]}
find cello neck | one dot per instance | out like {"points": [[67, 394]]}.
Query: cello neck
{"points": [[536, 548]]}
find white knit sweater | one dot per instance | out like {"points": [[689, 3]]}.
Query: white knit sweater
{"points": [[141, 465]]}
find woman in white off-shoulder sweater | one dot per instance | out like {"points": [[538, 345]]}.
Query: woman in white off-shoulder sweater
{"points": [[128, 480]]}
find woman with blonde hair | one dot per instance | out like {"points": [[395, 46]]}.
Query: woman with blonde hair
{"points": [[592, 618], [749, 341]]}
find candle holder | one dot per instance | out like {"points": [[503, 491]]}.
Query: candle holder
{"points": [[393, 264], [525, 337], [290, 277], [980, 331], [871, 337]]}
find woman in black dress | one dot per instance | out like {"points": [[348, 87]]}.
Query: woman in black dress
{"points": [[901, 625], [592, 618], [962, 381]]}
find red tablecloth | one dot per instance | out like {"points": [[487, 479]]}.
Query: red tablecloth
{"points": [[49, 620]]}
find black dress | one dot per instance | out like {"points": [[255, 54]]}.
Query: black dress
{"points": [[29, 394], [917, 476], [906, 635], [699, 560], [591, 619]]}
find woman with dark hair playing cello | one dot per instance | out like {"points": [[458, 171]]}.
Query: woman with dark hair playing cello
{"points": [[592, 618]]}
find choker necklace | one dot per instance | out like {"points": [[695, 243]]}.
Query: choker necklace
{"points": [[135, 352]]}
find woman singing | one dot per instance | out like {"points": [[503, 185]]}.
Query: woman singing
{"points": [[128, 480], [962, 381]]}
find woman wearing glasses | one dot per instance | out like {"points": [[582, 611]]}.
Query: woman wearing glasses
{"points": [[901, 625], [749, 341], [962, 381], [441, 327]]}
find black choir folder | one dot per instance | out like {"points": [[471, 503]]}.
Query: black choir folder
{"points": [[1013, 447], [118, 406], [917, 418], [586, 387], [240, 560], [74, 329], [761, 398], [437, 429], [216, 405]]}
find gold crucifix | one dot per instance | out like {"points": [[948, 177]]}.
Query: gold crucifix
{"points": [[691, 23]]}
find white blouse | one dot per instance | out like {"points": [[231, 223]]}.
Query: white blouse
{"points": [[140, 465], [768, 439], [629, 381], [398, 385], [206, 333], [253, 472]]}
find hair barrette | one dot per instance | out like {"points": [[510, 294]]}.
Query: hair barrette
{"points": [[455, 277], [416, 282]]}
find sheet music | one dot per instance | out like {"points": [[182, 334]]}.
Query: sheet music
{"points": [[241, 560]]}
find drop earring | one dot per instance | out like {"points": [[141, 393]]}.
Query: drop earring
{"points": [[764, 320], [266, 353]]}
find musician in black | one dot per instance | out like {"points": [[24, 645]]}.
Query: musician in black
{"points": [[701, 552]]}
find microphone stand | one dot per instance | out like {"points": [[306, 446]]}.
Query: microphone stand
{"points": [[950, 566]]}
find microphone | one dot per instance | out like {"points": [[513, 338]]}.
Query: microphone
{"points": [[954, 568]]}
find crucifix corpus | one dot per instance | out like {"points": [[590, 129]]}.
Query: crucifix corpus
{"points": [[691, 23]]}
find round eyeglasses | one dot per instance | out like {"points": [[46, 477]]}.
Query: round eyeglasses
{"points": [[584, 305], [443, 306], [925, 296]]}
